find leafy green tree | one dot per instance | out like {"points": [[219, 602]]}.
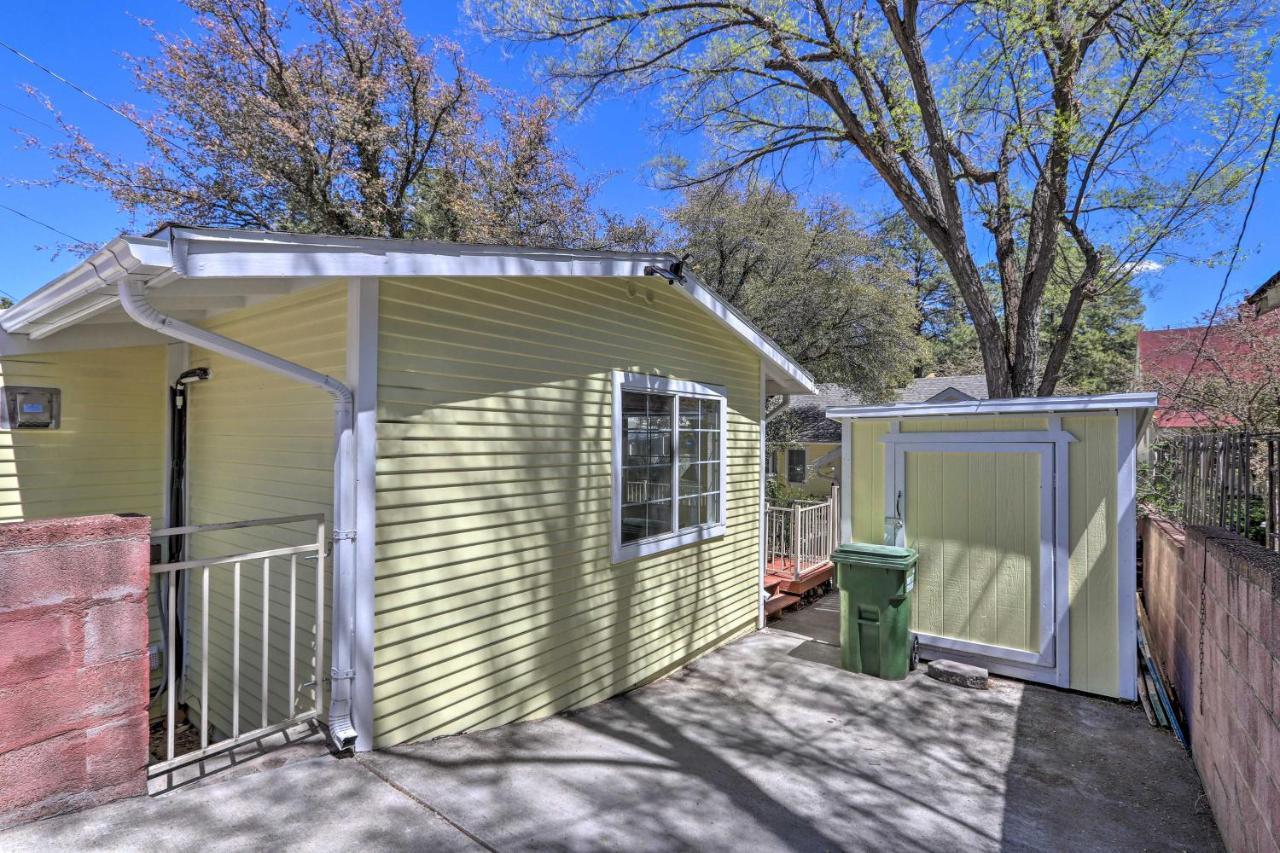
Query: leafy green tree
{"points": [[950, 346], [1005, 129], [809, 278]]}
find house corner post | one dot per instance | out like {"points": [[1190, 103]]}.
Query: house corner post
{"points": [[762, 512], [362, 377]]}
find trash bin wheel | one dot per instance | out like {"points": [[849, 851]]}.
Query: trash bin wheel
{"points": [[915, 653]]}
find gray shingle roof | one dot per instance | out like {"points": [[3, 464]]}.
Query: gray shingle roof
{"points": [[806, 413], [973, 386]]}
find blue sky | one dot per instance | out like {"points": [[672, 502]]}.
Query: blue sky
{"points": [[84, 40]]}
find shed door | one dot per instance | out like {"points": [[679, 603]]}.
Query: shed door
{"points": [[981, 517]]}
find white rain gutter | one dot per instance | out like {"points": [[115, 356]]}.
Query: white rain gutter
{"points": [[342, 731]]}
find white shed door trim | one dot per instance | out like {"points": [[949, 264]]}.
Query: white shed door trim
{"points": [[1051, 664]]}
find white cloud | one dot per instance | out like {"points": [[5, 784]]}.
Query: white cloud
{"points": [[1143, 267]]}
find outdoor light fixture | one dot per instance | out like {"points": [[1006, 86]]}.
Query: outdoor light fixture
{"points": [[673, 274]]}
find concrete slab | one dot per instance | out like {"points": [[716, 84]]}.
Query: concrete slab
{"points": [[763, 745], [314, 804], [756, 747]]}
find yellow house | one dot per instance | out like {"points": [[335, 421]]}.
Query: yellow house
{"points": [[1023, 513], [406, 488]]}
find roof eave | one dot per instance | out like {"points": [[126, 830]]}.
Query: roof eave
{"points": [[125, 255], [228, 253], [1023, 405]]}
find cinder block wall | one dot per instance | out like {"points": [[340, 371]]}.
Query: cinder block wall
{"points": [[1230, 692], [73, 664]]}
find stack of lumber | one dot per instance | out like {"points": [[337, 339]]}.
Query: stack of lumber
{"points": [[1152, 685]]}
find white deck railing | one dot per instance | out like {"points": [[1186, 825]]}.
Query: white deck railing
{"points": [[263, 562], [801, 537]]}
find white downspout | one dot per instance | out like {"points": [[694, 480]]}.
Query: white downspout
{"points": [[342, 732]]}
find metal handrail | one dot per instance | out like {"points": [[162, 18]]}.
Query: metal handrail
{"points": [[279, 521]]}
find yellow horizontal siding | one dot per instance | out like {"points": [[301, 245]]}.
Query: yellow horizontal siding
{"points": [[495, 598], [261, 445], [108, 454]]}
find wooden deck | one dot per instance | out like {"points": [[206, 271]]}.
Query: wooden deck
{"points": [[787, 591]]}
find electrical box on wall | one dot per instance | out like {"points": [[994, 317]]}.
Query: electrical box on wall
{"points": [[23, 407]]}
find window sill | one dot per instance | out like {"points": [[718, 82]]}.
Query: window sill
{"points": [[666, 542]]}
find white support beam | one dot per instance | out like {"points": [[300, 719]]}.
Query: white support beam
{"points": [[362, 377]]}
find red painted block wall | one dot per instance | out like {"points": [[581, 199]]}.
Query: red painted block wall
{"points": [[1213, 601], [73, 664]]}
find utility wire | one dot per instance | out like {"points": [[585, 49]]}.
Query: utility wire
{"points": [[83, 91], [52, 228], [1235, 253], [27, 116]]}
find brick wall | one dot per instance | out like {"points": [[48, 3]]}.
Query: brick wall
{"points": [[1230, 692], [73, 664]]}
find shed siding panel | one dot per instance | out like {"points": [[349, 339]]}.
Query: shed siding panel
{"points": [[1094, 573], [261, 445], [495, 598], [108, 454]]}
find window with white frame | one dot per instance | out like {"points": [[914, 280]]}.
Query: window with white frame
{"points": [[668, 463]]}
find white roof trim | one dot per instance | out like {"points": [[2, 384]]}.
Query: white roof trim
{"points": [[192, 253], [1019, 405]]}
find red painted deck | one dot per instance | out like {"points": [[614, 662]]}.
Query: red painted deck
{"points": [[779, 571], [786, 591]]}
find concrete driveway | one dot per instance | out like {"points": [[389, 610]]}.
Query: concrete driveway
{"points": [[762, 745]]}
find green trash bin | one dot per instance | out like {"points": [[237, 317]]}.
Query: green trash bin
{"points": [[875, 584]]}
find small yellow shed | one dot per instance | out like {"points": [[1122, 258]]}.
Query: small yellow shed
{"points": [[1023, 512]]}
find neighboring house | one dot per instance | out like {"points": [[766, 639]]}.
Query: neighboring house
{"points": [[1267, 297], [545, 489], [1165, 356], [811, 462]]}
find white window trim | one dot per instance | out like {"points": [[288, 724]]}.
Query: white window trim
{"points": [[648, 383]]}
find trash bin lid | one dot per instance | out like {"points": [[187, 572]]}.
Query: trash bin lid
{"points": [[880, 556]]}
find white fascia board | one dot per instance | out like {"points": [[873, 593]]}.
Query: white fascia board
{"points": [[1022, 405], [216, 253], [125, 255], [791, 377]]}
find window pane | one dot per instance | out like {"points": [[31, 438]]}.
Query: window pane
{"points": [[688, 446], [711, 414], [710, 476], [690, 512], [711, 508], [646, 465], [690, 479], [690, 415], [710, 446], [659, 518]]}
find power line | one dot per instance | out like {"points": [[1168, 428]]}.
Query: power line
{"points": [[42, 224], [1235, 253], [83, 91], [28, 117]]}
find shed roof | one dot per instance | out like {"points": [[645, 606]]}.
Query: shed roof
{"points": [[1017, 405]]}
